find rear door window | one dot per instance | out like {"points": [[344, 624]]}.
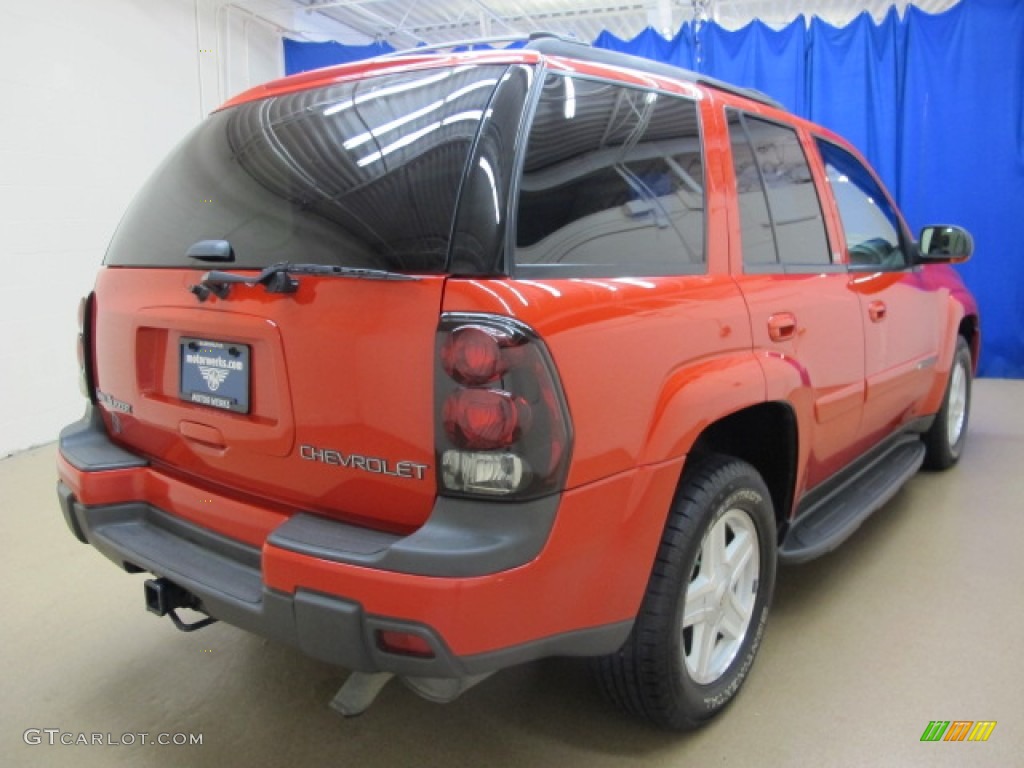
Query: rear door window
{"points": [[362, 174], [612, 184], [781, 223]]}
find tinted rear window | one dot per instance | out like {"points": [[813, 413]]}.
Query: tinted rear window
{"points": [[362, 174]]}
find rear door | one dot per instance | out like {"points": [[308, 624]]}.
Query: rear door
{"points": [[803, 308], [318, 398]]}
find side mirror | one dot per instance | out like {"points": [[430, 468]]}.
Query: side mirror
{"points": [[945, 245]]}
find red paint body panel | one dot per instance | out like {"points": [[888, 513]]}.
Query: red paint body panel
{"points": [[337, 378]]}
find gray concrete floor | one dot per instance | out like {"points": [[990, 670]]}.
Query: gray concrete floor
{"points": [[918, 617]]}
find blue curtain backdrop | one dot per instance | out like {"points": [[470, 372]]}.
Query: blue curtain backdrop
{"points": [[301, 57], [936, 103], [853, 86]]}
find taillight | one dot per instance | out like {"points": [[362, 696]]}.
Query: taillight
{"points": [[484, 419], [502, 424], [86, 382], [471, 354]]}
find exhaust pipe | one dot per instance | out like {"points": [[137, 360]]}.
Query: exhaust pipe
{"points": [[361, 688], [164, 597], [443, 690]]}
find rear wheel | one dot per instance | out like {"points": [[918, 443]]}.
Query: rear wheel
{"points": [[944, 441], [704, 612]]}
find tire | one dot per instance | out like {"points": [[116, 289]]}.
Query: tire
{"points": [[944, 441], [682, 664]]}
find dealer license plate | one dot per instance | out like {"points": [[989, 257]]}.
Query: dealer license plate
{"points": [[215, 374]]}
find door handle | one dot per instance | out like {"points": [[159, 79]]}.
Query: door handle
{"points": [[205, 435], [876, 311], [782, 326]]}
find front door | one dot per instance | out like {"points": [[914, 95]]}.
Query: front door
{"points": [[901, 344]]}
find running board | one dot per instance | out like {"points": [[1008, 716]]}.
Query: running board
{"points": [[828, 517]]}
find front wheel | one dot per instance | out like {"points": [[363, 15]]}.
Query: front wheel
{"points": [[944, 441], [704, 612]]}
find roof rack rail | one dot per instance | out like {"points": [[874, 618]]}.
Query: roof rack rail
{"points": [[556, 44], [552, 45], [470, 42]]}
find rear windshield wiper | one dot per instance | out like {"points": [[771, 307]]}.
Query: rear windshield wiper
{"points": [[278, 278]]}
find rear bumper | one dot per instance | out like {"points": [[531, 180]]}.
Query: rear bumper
{"points": [[226, 578], [477, 582]]}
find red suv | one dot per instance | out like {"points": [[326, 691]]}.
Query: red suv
{"points": [[440, 363]]}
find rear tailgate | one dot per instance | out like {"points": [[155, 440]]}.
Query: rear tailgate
{"points": [[339, 418], [319, 399]]}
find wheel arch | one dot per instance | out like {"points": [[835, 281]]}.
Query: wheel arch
{"points": [[765, 436], [721, 406]]}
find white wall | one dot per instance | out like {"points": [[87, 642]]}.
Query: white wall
{"points": [[92, 96]]}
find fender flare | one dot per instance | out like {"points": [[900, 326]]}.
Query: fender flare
{"points": [[701, 395], [697, 396]]}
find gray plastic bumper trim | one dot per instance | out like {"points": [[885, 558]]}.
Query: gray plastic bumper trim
{"points": [[461, 538], [87, 447]]}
